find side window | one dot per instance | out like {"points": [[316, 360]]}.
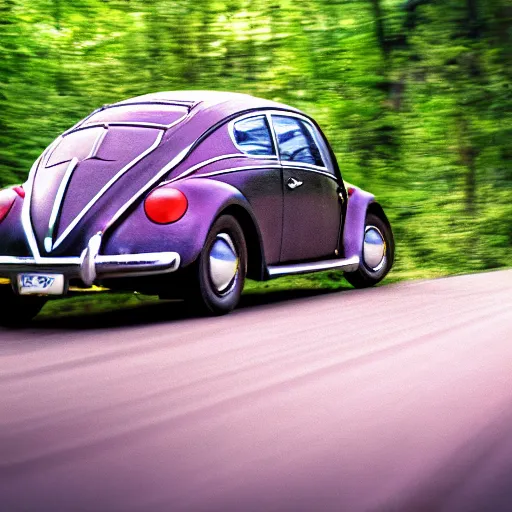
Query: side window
{"points": [[252, 136], [296, 141]]}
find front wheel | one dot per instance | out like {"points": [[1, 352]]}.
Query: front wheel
{"points": [[16, 310], [377, 255], [221, 268]]}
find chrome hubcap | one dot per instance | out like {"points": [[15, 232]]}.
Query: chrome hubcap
{"points": [[224, 263], [374, 248]]}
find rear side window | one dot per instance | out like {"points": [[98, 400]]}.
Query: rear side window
{"points": [[252, 136], [296, 142]]}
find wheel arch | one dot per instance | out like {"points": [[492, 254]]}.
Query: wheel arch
{"points": [[377, 210], [255, 256], [353, 232], [360, 204]]}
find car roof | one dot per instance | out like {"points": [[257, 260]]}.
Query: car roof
{"points": [[201, 111], [202, 99]]}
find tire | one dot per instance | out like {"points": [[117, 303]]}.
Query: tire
{"points": [[17, 311], [219, 273], [375, 262]]}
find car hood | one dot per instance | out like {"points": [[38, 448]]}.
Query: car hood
{"points": [[81, 181]]}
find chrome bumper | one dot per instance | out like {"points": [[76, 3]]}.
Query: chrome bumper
{"points": [[89, 266]]}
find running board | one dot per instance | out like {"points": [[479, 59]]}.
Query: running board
{"points": [[347, 265]]}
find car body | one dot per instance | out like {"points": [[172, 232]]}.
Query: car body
{"points": [[131, 198]]}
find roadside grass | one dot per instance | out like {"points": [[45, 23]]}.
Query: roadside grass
{"points": [[100, 301]]}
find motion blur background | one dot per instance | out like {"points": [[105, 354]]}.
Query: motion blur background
{"points": [[415, 96]]}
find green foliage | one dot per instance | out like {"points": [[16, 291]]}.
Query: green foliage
{"points": [[415, 96]]}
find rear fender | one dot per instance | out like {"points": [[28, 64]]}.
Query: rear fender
{"points": [[13, 240], [207, 199]]}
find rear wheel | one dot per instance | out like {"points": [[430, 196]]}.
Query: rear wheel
{"points": [[219, 273], [16, 310], [377, 255]]}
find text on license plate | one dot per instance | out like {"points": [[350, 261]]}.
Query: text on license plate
{"points": [[40, 284]]}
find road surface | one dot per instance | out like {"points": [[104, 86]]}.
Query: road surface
{"points": [[397, 398]]}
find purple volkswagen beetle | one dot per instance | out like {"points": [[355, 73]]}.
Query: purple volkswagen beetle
{"points": [[185, 194]]}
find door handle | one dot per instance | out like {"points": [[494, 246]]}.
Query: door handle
{"points": [[293, 183]]}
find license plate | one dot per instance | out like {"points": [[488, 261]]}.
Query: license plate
{"points": [[40, 284]]}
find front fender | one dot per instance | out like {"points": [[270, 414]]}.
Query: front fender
{"points": [[207, 198], [353, 233]]}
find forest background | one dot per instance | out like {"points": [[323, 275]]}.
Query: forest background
{"points": [[415, 96]]}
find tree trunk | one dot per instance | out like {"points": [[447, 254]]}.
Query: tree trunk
{"points": [[468, 155], [380, 33], [468, 152], [7, 69], [473, 19], [60, 78]]}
